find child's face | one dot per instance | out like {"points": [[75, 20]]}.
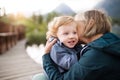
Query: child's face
{"points": [[67, 34]]}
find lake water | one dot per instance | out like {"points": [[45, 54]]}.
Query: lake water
{"points": [[36, 52]]}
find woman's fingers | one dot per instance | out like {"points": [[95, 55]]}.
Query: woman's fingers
{"points": [[49, 45]]}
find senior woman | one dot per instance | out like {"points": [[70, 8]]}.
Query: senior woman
{"points": [[100, 58]]}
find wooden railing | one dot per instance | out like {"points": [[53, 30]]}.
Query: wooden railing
{"points": [[7, 40], [9, 35]]}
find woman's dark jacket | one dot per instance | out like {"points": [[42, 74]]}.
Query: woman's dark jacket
{"points": [[100, 60]]}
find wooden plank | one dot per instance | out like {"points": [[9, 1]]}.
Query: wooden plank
{"points": [[15, 64]]}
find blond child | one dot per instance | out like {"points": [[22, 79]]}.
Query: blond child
{"points": [[64, 51]]}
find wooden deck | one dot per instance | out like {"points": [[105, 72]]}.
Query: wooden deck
{"points": [[15, 64]]}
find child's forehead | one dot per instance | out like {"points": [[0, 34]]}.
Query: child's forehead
{"points": [[74, 25], [68, 27]]}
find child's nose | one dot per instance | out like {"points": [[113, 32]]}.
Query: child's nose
{"points": [[71, 36]]}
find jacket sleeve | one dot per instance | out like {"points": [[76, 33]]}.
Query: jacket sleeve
{"points": [[54, 74]]}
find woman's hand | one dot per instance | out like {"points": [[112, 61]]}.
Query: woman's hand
{"points": [[49, 45]]}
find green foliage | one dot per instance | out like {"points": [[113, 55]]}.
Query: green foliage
{"points": [[50, 16], [43, 27], [30, 26], [4, 19], [36, 34], [116, 25], [36, 37], [115, 21], [37, 27], [38, 19]]}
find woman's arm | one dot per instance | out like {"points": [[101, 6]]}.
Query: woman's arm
{"points": [[54, 74], [88, 63], [49, 66]]}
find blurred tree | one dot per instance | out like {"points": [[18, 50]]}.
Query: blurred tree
{"points": [[40, 19], [51, 15]]}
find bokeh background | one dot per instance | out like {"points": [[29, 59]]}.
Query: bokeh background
{"points": [[23, 26]]}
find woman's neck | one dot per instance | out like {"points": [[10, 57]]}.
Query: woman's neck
{"points": [[88, 40]]}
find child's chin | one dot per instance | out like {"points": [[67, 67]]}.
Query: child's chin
{"points": [[71, 47]]}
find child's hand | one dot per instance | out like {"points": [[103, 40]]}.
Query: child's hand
{"points": [[49, 45]]}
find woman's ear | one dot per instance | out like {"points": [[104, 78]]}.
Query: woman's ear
{"points": [[91, 22], [88, 27]]}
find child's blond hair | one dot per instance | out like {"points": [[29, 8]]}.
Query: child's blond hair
{"points": [[96, 22], [56, 23]]}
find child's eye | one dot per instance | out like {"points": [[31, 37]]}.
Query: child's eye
{"points": [[74, 32], [65, 33]]}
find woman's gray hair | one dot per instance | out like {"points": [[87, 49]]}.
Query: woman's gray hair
{"points": [[96, 22]]}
